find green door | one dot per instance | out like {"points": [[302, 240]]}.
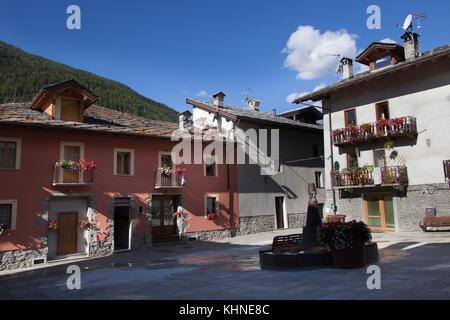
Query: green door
{"points": [[380, 211]]}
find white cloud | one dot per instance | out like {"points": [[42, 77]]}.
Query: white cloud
{"points": [[310, 53], [203, 93], [388, 40], [290, 98]]}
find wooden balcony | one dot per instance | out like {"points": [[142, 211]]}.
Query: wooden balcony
{"points": [[77, 177], [367, 177], [383, 129], [172, 180]]}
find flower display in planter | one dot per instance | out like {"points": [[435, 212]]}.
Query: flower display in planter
{"points": [[85, 165], [177, 214], [53, 225], [212, 215], [67, 165], [343, 235], [166, 170], [335, 218], [180, 171], [3, 230], [383, 123], [85, 224]]}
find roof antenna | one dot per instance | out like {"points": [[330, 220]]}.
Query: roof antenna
{"points": [[408, 26]]}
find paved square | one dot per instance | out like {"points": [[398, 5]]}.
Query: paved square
{"points": [[413, 265]]}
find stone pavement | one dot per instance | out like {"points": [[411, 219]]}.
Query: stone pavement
{"points": [[413, 265]]}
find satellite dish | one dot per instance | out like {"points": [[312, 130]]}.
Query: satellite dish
{"points": [[408, 21]]}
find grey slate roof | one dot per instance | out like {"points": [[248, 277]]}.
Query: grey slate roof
{"points": [[246, 114]]}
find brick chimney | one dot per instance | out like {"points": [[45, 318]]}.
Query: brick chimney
{"points": [[218, 98], [347, 68], [253, 104], [183, 120], [411, 44]]}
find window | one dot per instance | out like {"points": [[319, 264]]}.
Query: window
{"points": [[10, 153], [8, 211], [210, 167], [352, 160], [165, 161], [124, 162], [318, 176], [383, 62], [379, 158], [211, 204], [350, 117], [382, 110]]}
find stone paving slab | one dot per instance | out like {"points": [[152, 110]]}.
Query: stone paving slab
{"points": [[413, 266]]}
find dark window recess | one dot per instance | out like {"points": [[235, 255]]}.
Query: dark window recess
{"points": [[318, 176], [211, 205], [210, 169], [315, 150], [5, 215]]}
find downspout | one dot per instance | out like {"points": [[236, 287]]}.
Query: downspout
{"points": [[332, 158]]}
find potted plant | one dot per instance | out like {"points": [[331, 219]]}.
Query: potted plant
{"points": [[212, 215], [53, 225], [3, 230], [85, 224], [347, 242], [182, 173]]}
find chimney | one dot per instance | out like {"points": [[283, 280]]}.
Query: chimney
{"points": [[184, 120], [218, 98], [253, 104], [347, 68], [274, 112], [411, 44]]}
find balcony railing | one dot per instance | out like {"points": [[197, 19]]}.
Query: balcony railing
{"points": [[368, 176], [171, 180], [76, 177], [405, 126]]}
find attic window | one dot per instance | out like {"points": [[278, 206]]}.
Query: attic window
{"points": [[383, 62]]}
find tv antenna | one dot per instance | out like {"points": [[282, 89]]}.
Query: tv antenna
{"points": [[248, 95], [408, 25], [337, 55]]}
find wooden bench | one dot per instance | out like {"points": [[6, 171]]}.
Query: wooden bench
{"points": [[288, 238], [435, 222]]}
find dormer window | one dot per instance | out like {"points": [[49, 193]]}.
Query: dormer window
{"points": [[64, 101], [381, 54]]}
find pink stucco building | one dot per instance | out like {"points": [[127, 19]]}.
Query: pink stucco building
{"points": [[126, 199]]}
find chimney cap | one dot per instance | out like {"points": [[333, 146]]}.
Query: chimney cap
{"points": [[408, 35], [186, 113], [346, 60], [219, 95]]}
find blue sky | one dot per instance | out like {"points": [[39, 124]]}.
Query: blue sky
{"points": [[171, 50]]}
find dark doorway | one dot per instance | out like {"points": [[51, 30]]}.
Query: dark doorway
{"points": [[121, 228], [279, 212]]}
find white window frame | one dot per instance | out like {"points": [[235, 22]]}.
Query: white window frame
{"points": [[18, 142], [13, 204], [166, 153], [205, 201], [215, 166], [131, 151], [321, 186], [61, 155]]}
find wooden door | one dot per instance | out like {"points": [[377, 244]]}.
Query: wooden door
{"points": [[163, 221], [379, 210], [67, 233], [279, 212], [71, 153]]}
